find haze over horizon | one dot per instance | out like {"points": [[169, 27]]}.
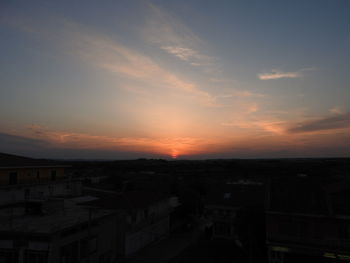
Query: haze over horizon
{"points": [[176, 79]]}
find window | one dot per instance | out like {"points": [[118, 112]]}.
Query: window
{"points": [[295, 228], [222, 229], [7, 256], [133, 217], [87, 246], [13, 178], [227, 195], [222, 212], [343, 231], [106, 257], [145, 213], [92, 245], [26, 193], [288, 228], [53, 175], [36, 257], [69, 231], [84, 248], [69, 253]]}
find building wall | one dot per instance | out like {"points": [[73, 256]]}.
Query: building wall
{"points": [[146, 226], [102, 238], [312, 235], [301, 227], [223, 219], [32, 175], [153, 211], [39, 191], [145, 236], [72, 244]]}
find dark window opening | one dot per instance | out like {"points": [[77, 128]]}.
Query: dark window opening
{"points": [[13, 178], [84, 248], [69, 253], [8, 256], [106, 257], [26, 193], [343, 230], [53, 175], [222, 229], [36, 257], [145, 213]]}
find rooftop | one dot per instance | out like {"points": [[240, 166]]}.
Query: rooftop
{"points": [[11, 161], [309, 195], [236, 195], [125, 200], [70, 216]]}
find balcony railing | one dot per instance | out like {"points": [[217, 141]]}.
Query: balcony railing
{"points": [[331, 244]]}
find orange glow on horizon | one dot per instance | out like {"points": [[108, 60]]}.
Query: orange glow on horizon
{"points": [[169, 146], [184, 146], [174, 154]]}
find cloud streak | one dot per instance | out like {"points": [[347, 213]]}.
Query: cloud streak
{"points": [[42, 141], [335, 122], [114, 57], [172, 36], [184, 53], [164, 145], [277, 74]]}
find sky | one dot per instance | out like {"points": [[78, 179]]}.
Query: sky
{"points": [[188, 79]]}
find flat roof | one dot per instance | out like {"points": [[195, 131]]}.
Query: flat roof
{"points": [[125, 200], [10, 161], [33, 166], [70, 216]]}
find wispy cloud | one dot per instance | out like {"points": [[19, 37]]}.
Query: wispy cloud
{"points": [[334, 122], [336, 110], [175, 38], [245, 93], [169, 34], [186, 54], [277, 74], [112, 56], [275, 127], [269, 126], [243, 96], [253, 108]]}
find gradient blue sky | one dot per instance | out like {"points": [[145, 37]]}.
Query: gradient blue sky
{"points": [[189, 79]]}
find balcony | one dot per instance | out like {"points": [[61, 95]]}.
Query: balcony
{"points": [[326, 233]]}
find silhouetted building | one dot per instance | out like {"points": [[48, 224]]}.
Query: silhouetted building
{"points": [[143, 217], [18, 170], [56, 231], [24, 179], [308, 220], [39, 218], [222, 203]]}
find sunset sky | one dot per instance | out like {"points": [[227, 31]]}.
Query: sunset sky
{"points": [[175, 79]]}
